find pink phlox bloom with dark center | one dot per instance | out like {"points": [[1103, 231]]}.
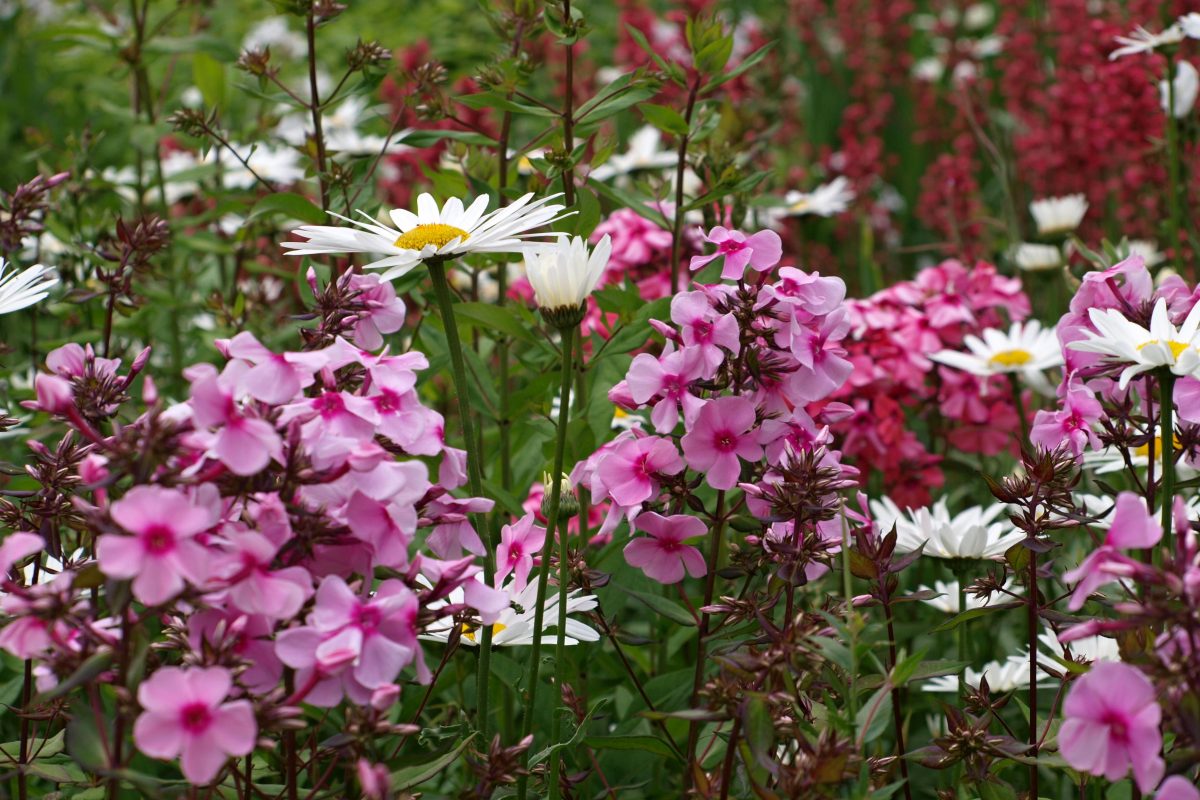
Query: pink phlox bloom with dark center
{"points": [[663, 555]]}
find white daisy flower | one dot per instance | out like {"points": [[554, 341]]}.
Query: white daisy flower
{"points": [[447, 232], [24, 288], [948, 600], [1143, 41], [1032, 257], [1187, 85], [1126, 342], [1002, 676], [973, 533], [1058, 215], [1089, 648], [1111, 460], [1190, 25], [1026, 349], [1148, 250], [644, 153], [827, 200], [563, 274], [514, 627]]}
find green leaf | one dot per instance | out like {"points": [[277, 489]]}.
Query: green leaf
{"points": [[291, 205], [499, 101], [88, 670], [664, 118], [575, 738], [57, 773], [428, 138], [491, 319], [759, 728], [974, 613], [409, 777], [923, 671], [630, 201], [747, 63], [209, 77], [664, 607], [644, 744], [38, 748], [873, 717]]}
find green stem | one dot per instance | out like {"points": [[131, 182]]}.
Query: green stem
{"points": [[1019, 405], [960, 575], [560, 660], [1166, 383], [848, 592], [716, 542], [555, 489], [441, 289]]}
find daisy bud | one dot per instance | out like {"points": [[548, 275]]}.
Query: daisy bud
{"points": [[563, 275], [568, 503]]}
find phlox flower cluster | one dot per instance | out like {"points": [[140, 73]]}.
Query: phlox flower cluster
{"points": [[734, 399], [250, 521], [891, 338]]}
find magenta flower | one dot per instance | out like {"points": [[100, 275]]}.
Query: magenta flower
{"points": [[629, 472], [1072, 425], [1111, 720], [760, 251], [664, 556], [186, 714], [667, 378], [256, 588], [162, 555], [719, 437], [1132, 528], [518, 544], [383, 312]]}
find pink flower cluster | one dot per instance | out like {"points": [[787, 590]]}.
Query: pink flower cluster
{"points": [[742, 365], [252, 518], [894, 383]]}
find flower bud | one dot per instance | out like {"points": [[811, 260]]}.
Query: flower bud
{"points": [[568, 502]]}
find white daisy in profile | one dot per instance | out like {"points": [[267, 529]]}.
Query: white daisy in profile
{"points": [[974, 533], [827, 200], [1089, 648], [21, 289], [1143, 41], [1058, 215], [1186, 85], [1148, 250], [947, 601], [1110, 460], [514, 627], [563, 274], [644, 152], [1033, 257], [1026, 349], [446, 232], [1002, 676], [1126, 342]]}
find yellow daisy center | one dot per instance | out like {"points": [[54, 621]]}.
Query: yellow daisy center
{"points": [[434, 233], [619, 413], [1143, 450], [1011, 358], [1176, 347], [468, 631]]}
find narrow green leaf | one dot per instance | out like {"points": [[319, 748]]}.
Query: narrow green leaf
{"points": [[412, 776], [290, 205], [664, 607], [975, 613], [645, 744], [664, 118]]}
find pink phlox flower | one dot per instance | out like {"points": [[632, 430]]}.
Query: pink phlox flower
{"points": [[1072, 425], [519, 543], [701, 326], [760, 251], [823, 365], [629, 472], [245, 635], [663, 555], [382, 311], [242, 442], [721, 435], [1111, 722], [161, 555], [332, 413], [272, 378], [1132, 528], [452, 529], [73, 361], [252, 584], [1177, 787], [186, 715], [805, 294], [665, 381]]}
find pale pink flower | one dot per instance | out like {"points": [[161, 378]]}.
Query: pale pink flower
{"points": [[760, 251], [254, 587], [274, 377], [518, 544], [243, 443], [1177, 787], [1072, 425], [162, 555], [720, 437], [1111, 720], [383, 311], [663, 556], [1132, 528], [186, 714]]}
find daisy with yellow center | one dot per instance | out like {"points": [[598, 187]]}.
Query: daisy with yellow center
{"points": [[433, 232], [1112, 460], [514, 627], [1026, 349], [1123, 341]]}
